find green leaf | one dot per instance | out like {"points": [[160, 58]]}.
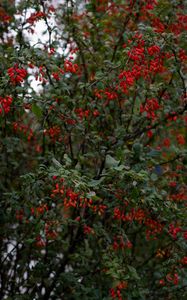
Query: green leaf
{"points": [[67, 160], [94, 182], [119, 168], [133, 272], [154, 153], [36, 110], [56, 162], [110, 162], [154, 177], [100, 85]]}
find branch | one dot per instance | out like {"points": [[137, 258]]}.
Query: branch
{"points": [[138, 131], [120, 39]]}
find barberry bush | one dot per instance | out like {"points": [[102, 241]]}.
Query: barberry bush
{"points": [[93, 150]]}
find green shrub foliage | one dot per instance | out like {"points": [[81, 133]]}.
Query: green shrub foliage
{"points": [[93, 150]]}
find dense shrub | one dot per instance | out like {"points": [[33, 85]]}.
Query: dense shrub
{"points": [[93, 159]]}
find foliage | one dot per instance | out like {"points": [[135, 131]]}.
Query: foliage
{"points": [[93, 160]]}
